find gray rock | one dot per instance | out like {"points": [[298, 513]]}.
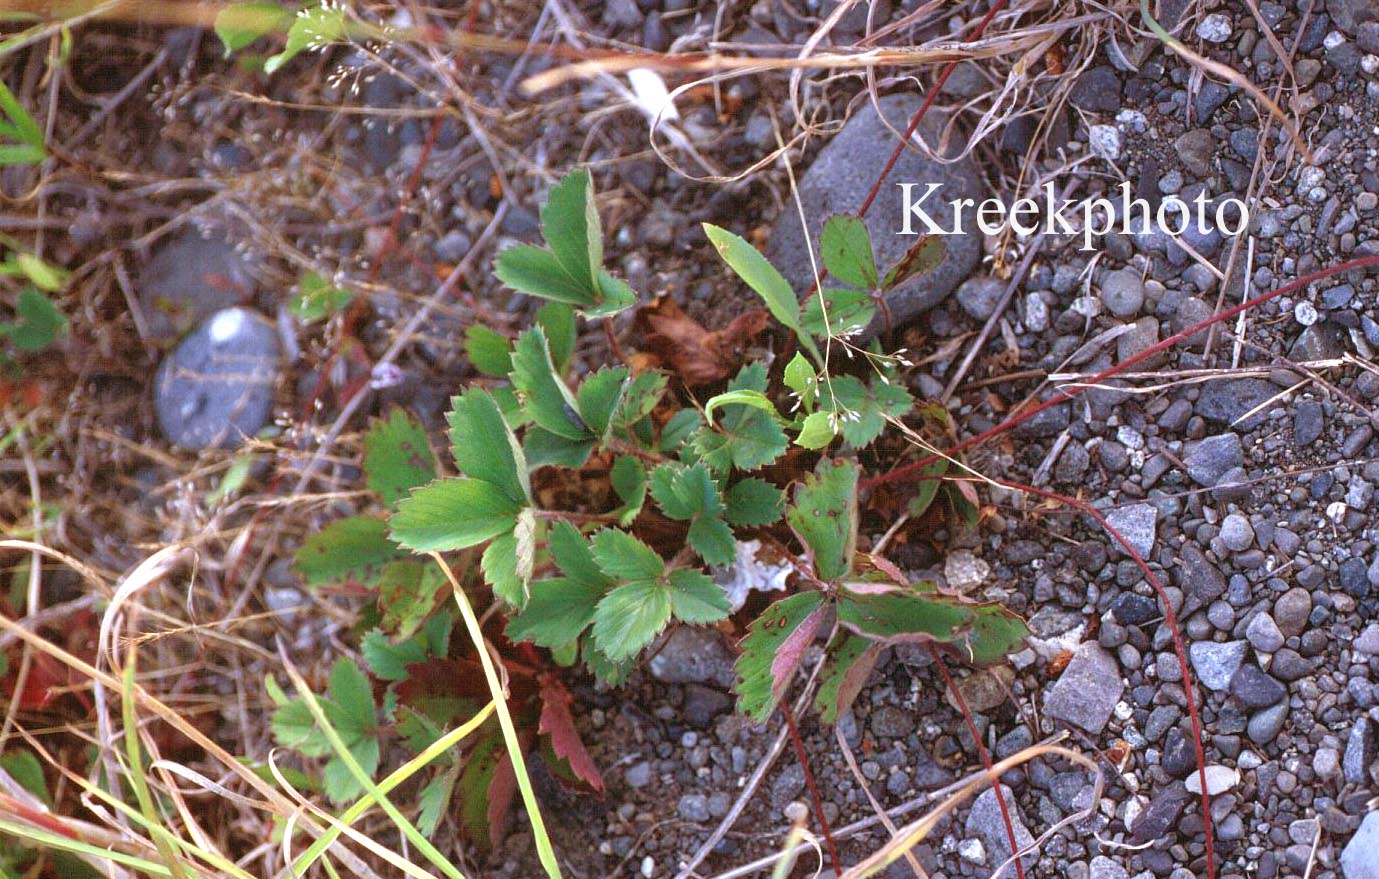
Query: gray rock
{"points": [[1196, 149], [1289, 665], [1122, 292], [1087, 691], [1291, 611], [1103, 867], [1255, 689], [1216, 663], [987, 824], [1213, 457], [1096, 91], [842, 175], [1180, 754], [216, 387], [1132, 609], [693, 656], [1137, 524], [788, 785], [1264, 726], [1226, 402], [979, 296], [638, 775], [1349, 15], [1161, 813], [1308, 423], [1202, 582], [703, 704], [1360, 858], [1263, 633], [190, 278], [1368, 641], [889, 721], [1359, 752], [694, 807], [1236, 533]]}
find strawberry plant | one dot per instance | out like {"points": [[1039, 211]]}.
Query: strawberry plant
{"points": [[594, 578]]}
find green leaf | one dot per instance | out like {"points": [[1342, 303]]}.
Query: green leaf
{"points": [[500, 567], [773, 649], [356, 548], [547, 399], [489, 352], [611, 672], [713, 540], [746, 438], [904, 617], [624, 557], [313, 28], [800, 377], [294, 727], [544, 449], [679, 429], [754, 399], [558, 320], [43, 275], [557, 612], [240, 24], [824, 516], [484, 446], [863, 410], [929, 484], [628, 477], [995, 633], [761, 276], [475, 778], [433, 802], [397, 456], [575, 557], [39, 323], [600, 395], [845, 673], [453, 514], [753, 502], [408, 591], [616, 296], [25, 769], [354, 715], [20, 127], [695, 598], [818, 430], [845, 246], [922, 258], [389, 661], [570, 225], [838, 312], [537, 272], [641, 396], [317, 298], [683, 492], [629, 617], [340, 784]]}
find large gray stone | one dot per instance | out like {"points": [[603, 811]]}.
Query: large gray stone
{"points": [[189, 278], [1360, 859], [843, 174], [216, 387], [1087, 691], [693, 656], [987, 824]]}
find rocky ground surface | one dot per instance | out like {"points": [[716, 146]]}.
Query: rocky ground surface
{"points": [[1243, 466]]}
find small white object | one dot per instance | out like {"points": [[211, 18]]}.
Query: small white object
{"points": [[972, 851], [1333, 40], [648, 866], [964, 571], [1215, 28], [1336, 510], [1104, 141], [652, 97], [1305, 313], [1219, 780], [749, 573], [226, 325]]}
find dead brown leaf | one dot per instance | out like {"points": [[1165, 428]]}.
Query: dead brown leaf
{"points": [[697, 355]]}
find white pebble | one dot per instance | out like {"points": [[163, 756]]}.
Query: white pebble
{"points": [[1305, 313], [1104, 141], [648, 866], [1219, 780], [1215, 28]]}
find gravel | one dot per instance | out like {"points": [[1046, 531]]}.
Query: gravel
{"points": [[1087, 691], [1137, 523], [1256, 689], [1211, 458], [1263, 633], [1216, 663]]}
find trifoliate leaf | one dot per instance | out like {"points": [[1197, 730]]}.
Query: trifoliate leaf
{"points": [[643, 392], [863, 410], [352, 695], [799, 377], [489, 353], [695, 598], [753, 502], [773, 650], [625, 557], [389, 661], [754, 399], [433, 802], [484, 446], [904, 617], [629, 617], [824, 516], [506, 564], [995, 633], [845, 246], [927, 488], [453, 514], [544, 395], [313, 28], [397, 456], [684, 492], [818, 430], [355, 548], [613, 673]]}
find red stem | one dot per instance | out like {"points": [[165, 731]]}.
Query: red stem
{"points": [[909, 471], [985, 755], [1171, 619], [813, 788]]}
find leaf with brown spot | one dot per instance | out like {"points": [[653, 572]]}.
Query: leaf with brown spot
{"points": [[698, 355]]}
